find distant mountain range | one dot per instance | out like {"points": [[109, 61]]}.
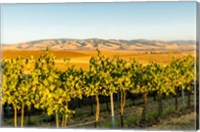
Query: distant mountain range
{"points": [[110, 44]]}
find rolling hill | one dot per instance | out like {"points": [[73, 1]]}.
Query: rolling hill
{"points": [[110, 44]]}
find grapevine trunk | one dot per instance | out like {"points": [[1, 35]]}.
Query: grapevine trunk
{"points": [[144, 106], [63, 120], [176, 102], [123, 99], [15, 115], [22, 115], [57, 120], [97, 110], [160, 106]]}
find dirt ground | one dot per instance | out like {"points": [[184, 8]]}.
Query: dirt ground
{"points": [[184, 122]]}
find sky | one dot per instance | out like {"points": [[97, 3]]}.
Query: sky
{"points": [[136, 20]]}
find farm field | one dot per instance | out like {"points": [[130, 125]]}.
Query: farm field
{"points": [[80, 58]]}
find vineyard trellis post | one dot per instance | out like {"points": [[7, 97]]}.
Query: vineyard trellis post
{"points": [[112, 110]]}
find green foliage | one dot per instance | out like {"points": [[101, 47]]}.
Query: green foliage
{"points": [[180, 73], [99, 79], [51, 90], [14, 81]]}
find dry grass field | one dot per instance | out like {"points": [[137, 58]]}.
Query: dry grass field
{"points": [[80, 58]]}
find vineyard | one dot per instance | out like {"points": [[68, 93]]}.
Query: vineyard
{"points": [[111, 83]]}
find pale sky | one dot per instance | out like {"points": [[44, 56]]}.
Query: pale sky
{"points": [[136, 20]]}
